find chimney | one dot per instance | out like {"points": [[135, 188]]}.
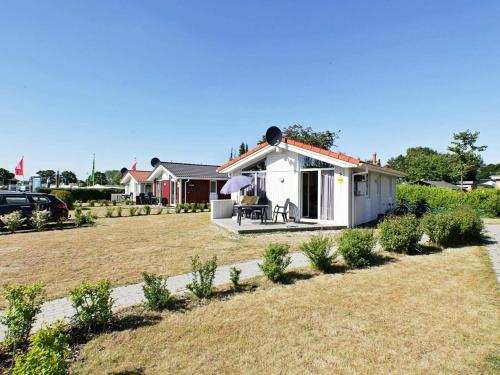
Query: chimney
{"points": [[374, 158]]}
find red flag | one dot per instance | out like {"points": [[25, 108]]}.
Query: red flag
{"points": [[20, 167], [134, 166]]}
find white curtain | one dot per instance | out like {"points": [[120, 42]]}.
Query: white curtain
{"points": [[327, 185]]}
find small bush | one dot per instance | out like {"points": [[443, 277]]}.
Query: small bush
{"points": [[87, 218], [461, 226], [93, 304], [39, 219], [275, 261], [203, 277], [119, 211], [203, 205], [109, 212], [48, 353], [208, 206], [104, 203], [178, 208], [65, 196], [356, 247], [234, 276], [400, 233], [186, 208], [317, 250], [23, 303], [92, 203], [156, 293], [12, 221], [113, 202], [193, 207], [127, 202], [132, 211], [147, 209]]}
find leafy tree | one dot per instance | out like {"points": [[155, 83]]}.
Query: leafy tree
{"points": [[100, 178], [297, 132], [424, 163], [48, 176], [485, 171], [69, 177], [5, 175], [113, 176], [466, 153]]}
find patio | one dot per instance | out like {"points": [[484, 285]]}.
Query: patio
{"points": [[255, 226]]}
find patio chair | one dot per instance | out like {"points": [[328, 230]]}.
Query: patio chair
{"points": [[281, 210]]}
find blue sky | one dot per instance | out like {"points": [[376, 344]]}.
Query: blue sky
{"points": [[187, 80]]}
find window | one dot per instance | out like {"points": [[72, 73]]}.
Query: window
{"points": [[16, 200], [39, 199], [307, 162], [361, 185], [213, 187]]}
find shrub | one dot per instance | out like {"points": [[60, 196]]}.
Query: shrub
{"points": [[48, 353], [461, 226], [178, 208], [317, 250], [147, 209], [39, 219], [92, 203], [85, 194], [127, 202], [113, 202], [109, 211], [156, 293], [23, 303], [119, 211], [234, 276], [132, 211], [275, 261], [203, 205], [104, 203], [203, 277], [93, 304], [186, 208], [356, 246], [65, 196], [87, 218], [193, 207], [12, 221], [208, 206], [400, 233], [486, 201]]}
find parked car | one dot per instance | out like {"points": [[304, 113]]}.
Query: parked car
{"points": [[26, 203]]}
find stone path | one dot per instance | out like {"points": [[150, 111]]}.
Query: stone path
{"points": [[131, 295], [494, 247]]}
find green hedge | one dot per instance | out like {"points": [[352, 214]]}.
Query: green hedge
{"points": [[487, 201], [85, 195]]}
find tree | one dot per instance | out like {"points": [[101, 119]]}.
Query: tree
{"points": [[100, 178], [5, 176], [69, 177], [486, 170], [48, 176], [113, 176], [297, 132], [466, 153], [424, 163], [243, 149]]}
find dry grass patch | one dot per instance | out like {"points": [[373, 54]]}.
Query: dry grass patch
{"points": [[120, 249], [436, 313]]}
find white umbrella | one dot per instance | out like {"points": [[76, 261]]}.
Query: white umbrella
{"points": [[235, 184]]}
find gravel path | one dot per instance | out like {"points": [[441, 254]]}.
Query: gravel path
{"points": [[131, 295], [494, 247]]}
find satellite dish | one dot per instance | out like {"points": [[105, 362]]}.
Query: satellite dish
{"points": [[155, 162], [273, 136], [123, 170]]}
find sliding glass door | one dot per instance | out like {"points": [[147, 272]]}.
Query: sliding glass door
{"points": [[327, 190], [310, 195]]}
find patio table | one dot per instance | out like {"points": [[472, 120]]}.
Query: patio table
{"points": [[262, 208]]}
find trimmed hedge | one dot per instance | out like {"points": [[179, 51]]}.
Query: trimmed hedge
{"points": [[65, 196], [486, 201], [399, 233], [85, 195]]}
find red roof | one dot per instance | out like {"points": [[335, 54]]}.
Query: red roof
{"points": [[304, 146], [140, 176]]}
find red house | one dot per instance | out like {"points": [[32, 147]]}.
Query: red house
{"points": [[175, 183]]}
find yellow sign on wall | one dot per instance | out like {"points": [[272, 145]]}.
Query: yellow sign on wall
{"points": [[340, 180]]}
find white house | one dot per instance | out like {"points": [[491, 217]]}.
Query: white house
{"points": [[136, 182], [322, 186]]}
